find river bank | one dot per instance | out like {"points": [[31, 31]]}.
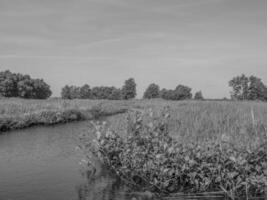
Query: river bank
{"points": [[19, 113]]}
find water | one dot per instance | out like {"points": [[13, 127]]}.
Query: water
{"points": [[41, 163]]}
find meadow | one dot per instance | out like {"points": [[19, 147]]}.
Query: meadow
{"points": [[190, 120]]}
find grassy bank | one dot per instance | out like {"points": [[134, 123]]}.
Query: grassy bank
{"points": [[19, 113]]}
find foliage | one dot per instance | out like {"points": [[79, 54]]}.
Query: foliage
{"points": [[18, 85], [85, 92], [66, 92], [166, 94], [115, 94], [147, 158], [181, 92], [129, 89], [71, 92], [248, 88], [199, 96], [100, 92], [152, 91], [110, 93]]}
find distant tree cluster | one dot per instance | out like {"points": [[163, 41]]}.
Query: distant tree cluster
{"points": [[198, 96], [248, 88], [23, 86], [128, 91], [181, 92], [152, 91]]}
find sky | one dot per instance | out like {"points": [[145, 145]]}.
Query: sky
{"points": [[198, 43]]}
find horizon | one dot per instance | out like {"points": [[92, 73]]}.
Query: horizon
{"points": [[201, 44]]}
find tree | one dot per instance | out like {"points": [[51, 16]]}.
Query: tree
{"points": [[129, 89], [41, 89], [115, 94], [248, 88], [182, 92], [26, 88], [256, 89], [100, 92], [152, 91], [65, 92], [18, 85], [74, 92], [240, 87], [199, 96], [166, 94], [85, 92], [8, 85]]}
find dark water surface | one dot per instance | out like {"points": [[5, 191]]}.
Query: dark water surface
{"points": [[41, 163]]}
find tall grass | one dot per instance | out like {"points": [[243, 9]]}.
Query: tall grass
{"points": [[20, 113], [242, 123]]}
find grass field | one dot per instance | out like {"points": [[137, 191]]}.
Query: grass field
{"points": [[243, 123], [240, 122]]}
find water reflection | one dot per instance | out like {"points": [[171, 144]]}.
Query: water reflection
{"points": [[103, 186]]}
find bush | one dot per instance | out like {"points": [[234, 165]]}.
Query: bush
{"points": [[147, 158]]}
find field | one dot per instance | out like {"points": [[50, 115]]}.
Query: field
{"points": [[190, 120]]}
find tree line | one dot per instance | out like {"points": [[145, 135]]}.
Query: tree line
{"points": [[128, 91], [181, 92], [23, 86]]}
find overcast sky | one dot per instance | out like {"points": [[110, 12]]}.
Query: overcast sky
{"points": [[199, 43]]}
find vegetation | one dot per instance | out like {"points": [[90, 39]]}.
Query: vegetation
{"points": [[18, 85], [248, 88], [103, 92], [181, 92], [215, 154], [198, 96], [152, 91], [19, 113], [129, 89]]}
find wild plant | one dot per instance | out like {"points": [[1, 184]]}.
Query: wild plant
{"points": [[147, 158]]}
